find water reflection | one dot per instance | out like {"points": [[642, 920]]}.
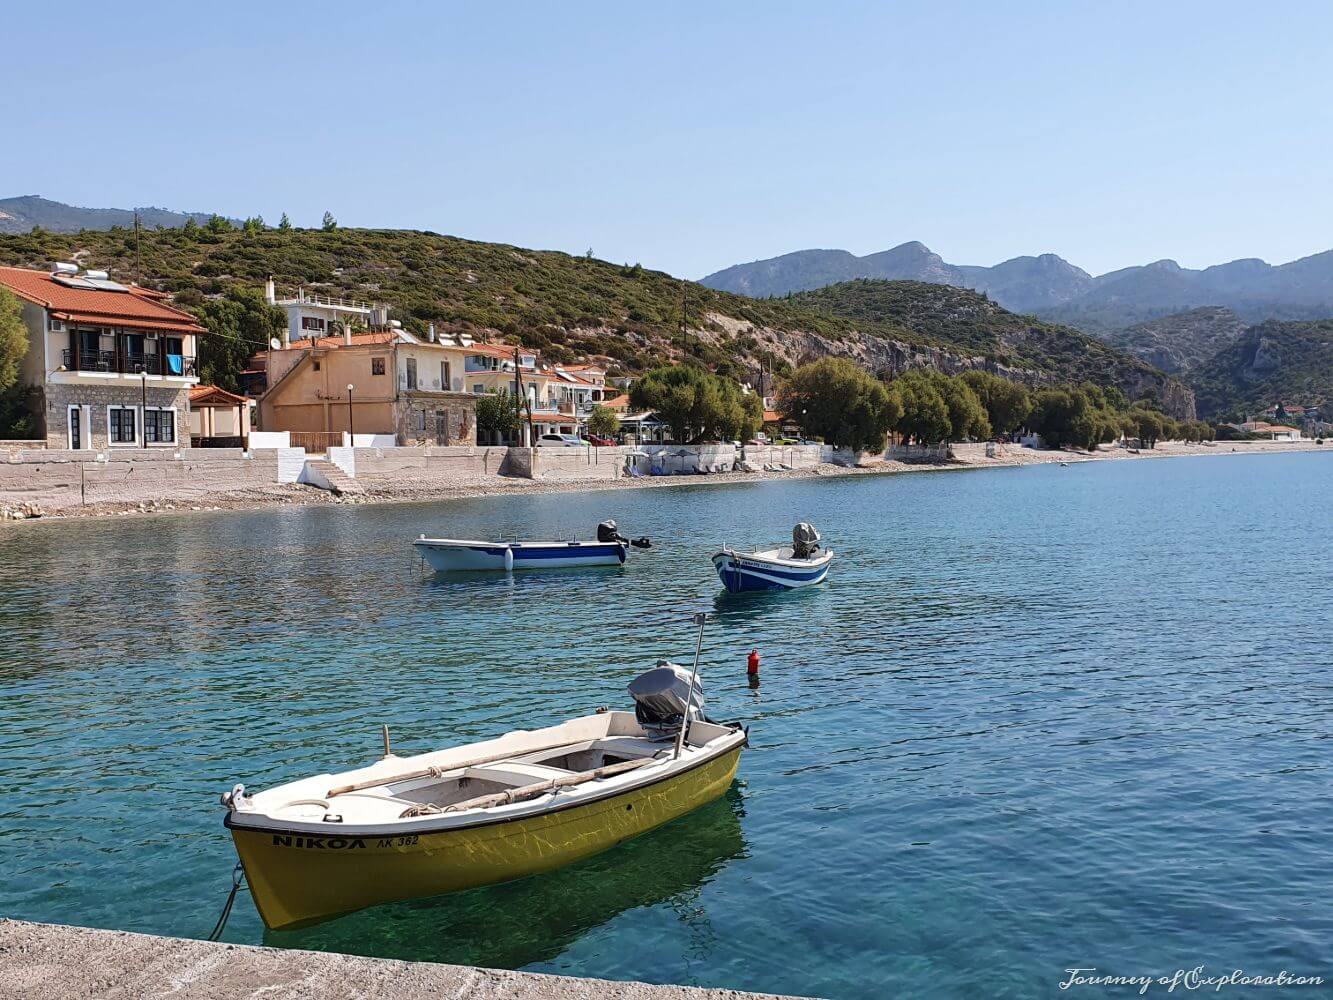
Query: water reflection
{"points": [[534, 920]]}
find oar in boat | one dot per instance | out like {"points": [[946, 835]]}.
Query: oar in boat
{"points": [[528, 791]]}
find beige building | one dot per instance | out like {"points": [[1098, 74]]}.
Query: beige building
{"points": [[108, 365], [386, 382]]}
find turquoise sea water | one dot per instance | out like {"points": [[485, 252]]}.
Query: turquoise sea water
{"points": [[1038, 719]]}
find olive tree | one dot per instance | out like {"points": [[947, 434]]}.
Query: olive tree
{"points": [[603, 422], [836, 400]]}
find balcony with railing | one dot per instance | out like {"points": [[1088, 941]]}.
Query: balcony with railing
{"points": [[304, 297], [172, 365]]}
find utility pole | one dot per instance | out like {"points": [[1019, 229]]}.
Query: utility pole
{"points": [[521, 399], [138, 262]]}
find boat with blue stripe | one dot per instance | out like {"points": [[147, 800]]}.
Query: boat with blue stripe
{"points": [[801, 564], [448, 554]]}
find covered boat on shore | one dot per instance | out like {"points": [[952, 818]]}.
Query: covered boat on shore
{"points": [[802, 564], [526, 802], [448, 554]]}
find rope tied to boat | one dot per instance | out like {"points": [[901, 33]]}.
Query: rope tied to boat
{"points": [[237, 880]]}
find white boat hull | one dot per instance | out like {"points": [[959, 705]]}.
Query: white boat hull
{"points": [[449, 554], [742, 572]]}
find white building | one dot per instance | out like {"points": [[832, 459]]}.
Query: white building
{"points": [[311, 316]]}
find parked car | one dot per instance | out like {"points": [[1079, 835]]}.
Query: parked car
{"points": [[561, 441], [600, 441]]}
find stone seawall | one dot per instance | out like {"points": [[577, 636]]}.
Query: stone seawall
{"points": [[59, 480], [43, 961], [52, 481], [432, 465]]}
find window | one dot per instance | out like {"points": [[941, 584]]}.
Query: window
{"points": [[377, 366], [478, 388], [120, 425], [445, 384], [316, 365], [159, 426], [421, 420], [312, 323], [411, 373]]}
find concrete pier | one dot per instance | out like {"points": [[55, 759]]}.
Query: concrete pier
{"points": [[47, 961]]}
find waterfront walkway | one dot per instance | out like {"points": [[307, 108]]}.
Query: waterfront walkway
{"points": [[48, 960]]}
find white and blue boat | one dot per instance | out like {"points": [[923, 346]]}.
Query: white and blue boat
{"points": [[801, 564], [448, 554]]}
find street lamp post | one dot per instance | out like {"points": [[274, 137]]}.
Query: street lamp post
{"points": [[351, 427], [143, 404]]}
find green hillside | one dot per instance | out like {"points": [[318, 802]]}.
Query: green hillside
{"points": [[972, 322], [574, 307], [1180, 342], [1291, 362]]}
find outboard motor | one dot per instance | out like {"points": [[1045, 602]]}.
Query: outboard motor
{"points": [[804, 541], [643, 542], [661, 694], [606, 532]]}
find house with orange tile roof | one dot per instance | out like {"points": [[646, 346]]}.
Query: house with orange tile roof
{"points": [[108, 365], [384, 383], [1271, 432]]}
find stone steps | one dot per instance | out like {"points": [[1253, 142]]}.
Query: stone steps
{"points": [[327, 476]]}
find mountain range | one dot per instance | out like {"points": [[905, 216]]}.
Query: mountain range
{"points": [[22, 214], [628, 317], [1054, 289]]}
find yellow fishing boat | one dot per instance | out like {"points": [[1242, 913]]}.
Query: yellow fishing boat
{"points": [[527, 802]]}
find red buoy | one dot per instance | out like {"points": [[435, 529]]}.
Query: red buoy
{"points": [[752, 663]]}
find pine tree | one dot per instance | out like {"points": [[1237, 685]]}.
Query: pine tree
{"points": [[284, 223], [330, 223]]}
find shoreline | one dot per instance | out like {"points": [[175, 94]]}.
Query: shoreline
{"points": [[966, 457]]}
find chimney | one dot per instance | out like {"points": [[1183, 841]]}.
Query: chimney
{"points": [[270, 293], [347, 334]]}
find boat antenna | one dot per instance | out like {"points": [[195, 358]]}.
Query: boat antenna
{"points": [[699, 619]]}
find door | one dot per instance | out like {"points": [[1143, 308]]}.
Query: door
{"points": [[75, 428], [441, 428]]}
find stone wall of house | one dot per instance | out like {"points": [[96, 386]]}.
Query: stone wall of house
{"points": [[95, 399], [443, 419]]}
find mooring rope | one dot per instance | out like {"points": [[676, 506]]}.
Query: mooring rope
{"points": [[237, 879]]}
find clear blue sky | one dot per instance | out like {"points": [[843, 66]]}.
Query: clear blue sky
{"points": [[690, 136]]}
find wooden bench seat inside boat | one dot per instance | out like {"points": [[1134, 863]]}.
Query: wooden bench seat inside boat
{"points": [[388, 800], [435, 781]]}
